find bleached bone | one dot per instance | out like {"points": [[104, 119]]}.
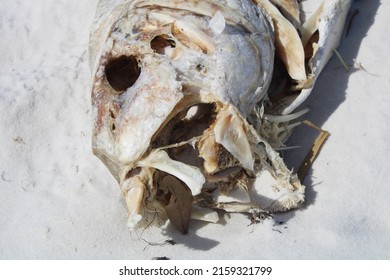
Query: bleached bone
{"points": [[288, 42], [329, 21], [188, 174], [230, 132]]}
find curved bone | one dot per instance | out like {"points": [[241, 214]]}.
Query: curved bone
{"points": [[188, 174], [229, 132], [290, 9], [288, 42], [329, 20]]}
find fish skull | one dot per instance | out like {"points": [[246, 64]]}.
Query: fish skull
{"points": [[175, 88]]}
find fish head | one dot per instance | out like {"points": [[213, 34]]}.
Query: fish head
{"points": [[174, 83]]}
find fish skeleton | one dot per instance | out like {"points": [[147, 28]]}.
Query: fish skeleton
{"points": [[191, 100]]}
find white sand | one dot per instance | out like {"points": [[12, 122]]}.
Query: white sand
{"points": [[57, 201]]}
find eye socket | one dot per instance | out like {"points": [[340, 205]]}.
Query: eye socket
{"points": [[160, 42], [122, 72]]}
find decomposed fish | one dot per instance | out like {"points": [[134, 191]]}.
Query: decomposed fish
{"points": [[191, 100]]}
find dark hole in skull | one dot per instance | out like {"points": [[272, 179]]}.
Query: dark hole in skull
{"points": [[189, 123], [201, 68], [160, 42], [122, 72]]}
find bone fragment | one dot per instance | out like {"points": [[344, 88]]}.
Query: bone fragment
{"points": [[193, 37], [329, 20], [204, 7], [273, 196], [311, 25], [133, 190], [217, 23], [190, 175], [204, 214], [288, 43], [238, 194], [290, 9], [230, 133], [215, 156]]}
